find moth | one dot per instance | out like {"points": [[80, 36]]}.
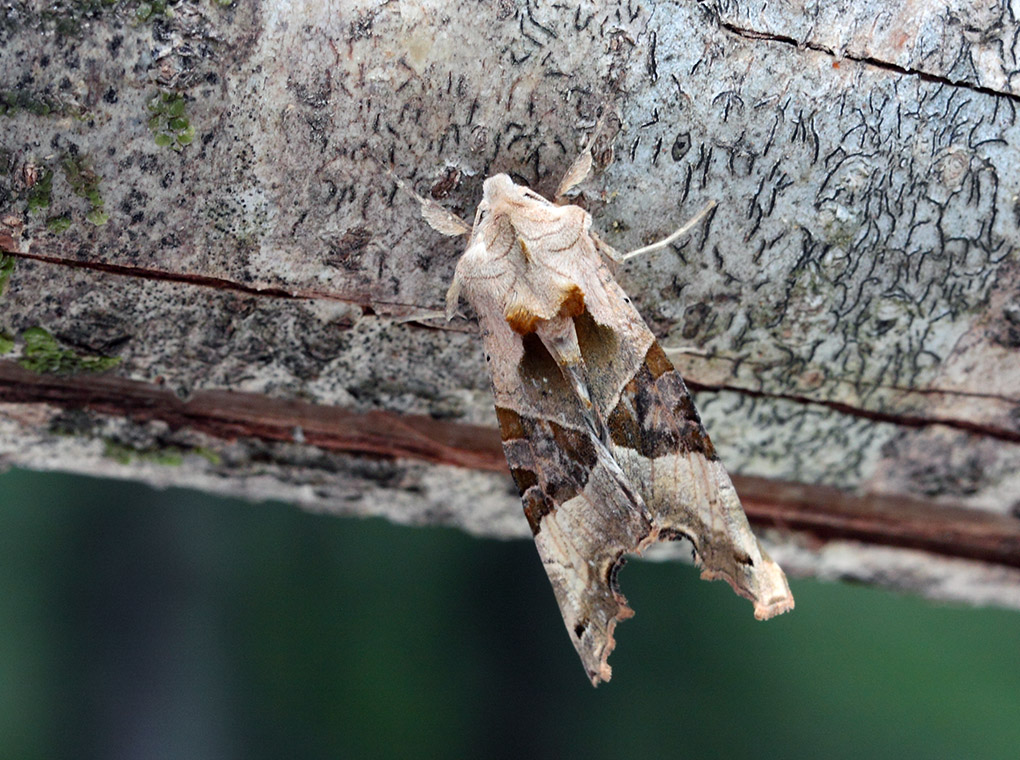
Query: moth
{"points": [[600, 432]]}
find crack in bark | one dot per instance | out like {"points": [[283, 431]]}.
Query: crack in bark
{"points": [[914, 421], [822, 512], [371, 308], [367, 305], [753, 34], [144, 273]]}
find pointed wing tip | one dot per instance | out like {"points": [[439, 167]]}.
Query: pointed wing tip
{"points": [[595, 656], [767, 589], [603, 674], [602, 671], [775, 606], [774, 596]]}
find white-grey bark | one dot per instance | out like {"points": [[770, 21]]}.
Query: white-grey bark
{"points": [[219, 217]]}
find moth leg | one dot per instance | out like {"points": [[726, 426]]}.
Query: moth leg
{"points": [[453, 296], [683, 230], [443, 221], [424, 315]]}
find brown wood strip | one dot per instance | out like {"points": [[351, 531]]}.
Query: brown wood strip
{"points": [[823, 512]]}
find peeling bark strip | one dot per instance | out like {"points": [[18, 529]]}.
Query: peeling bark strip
{"points": [[825, 513], [146, 273], [226, 414], [829, 513]]}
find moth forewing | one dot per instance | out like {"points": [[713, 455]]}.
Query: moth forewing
{"points": [[600, 432]]}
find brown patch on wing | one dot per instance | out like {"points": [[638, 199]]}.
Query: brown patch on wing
{"points": [[657, 362], [536, 506], [550, 463], [572, 303], [521, 320], [580, 444], [510, 425], [524, 479], [623, 427], [655, 415]]}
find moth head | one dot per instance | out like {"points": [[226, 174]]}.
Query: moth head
{"points": [[501, 195], [512, 216], [497, 188]]}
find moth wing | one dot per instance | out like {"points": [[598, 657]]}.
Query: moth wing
{"points": [[659, 441], [583, 519]]}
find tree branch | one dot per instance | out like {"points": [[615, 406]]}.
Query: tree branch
{"points": [[200, 205]]}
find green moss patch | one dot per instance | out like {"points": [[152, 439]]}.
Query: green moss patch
{"points": [[40, 194], [58, 224], [170, 456], [6, 343], [168, 120], [208, 454], [44, 355], [6, 270], [149, 10], [13, 101], [85, 183], [67, 17]]}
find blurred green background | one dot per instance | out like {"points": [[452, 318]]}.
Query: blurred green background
{"points": [[143, 624]]}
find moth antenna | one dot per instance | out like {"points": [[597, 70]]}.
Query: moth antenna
{"points": [[687, 227], [581, 168], [672, 351]]}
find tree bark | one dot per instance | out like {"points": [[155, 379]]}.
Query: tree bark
{"points": [[210, 278]]}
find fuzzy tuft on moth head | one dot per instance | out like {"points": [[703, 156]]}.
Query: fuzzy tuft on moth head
{"points": [[499, 189]]}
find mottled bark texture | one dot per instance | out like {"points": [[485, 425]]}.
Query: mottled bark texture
{"points": [[207, 271]]}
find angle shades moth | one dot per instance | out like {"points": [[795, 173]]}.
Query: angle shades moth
{"points": [[600, 432]]}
